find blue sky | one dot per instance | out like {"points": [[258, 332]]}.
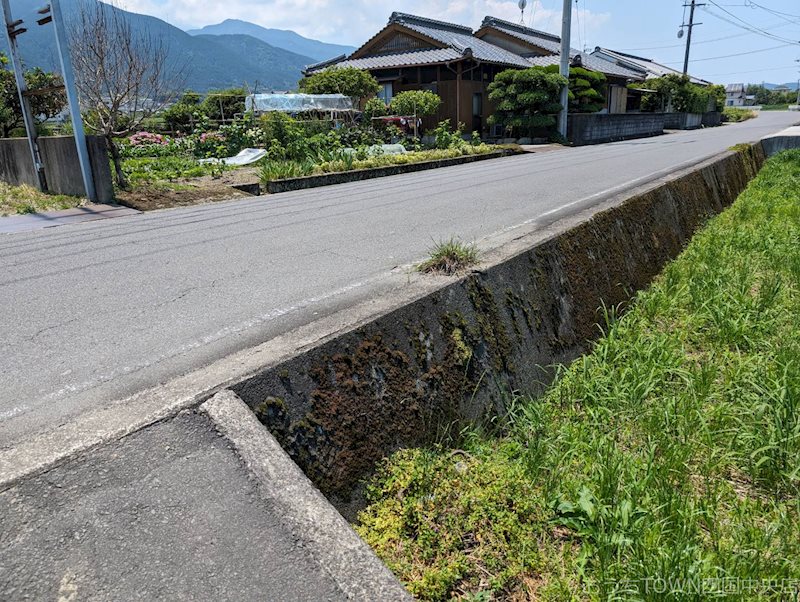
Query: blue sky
{"points": [[759, 32]]}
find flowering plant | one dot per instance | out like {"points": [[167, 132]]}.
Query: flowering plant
{"points": [[146, 138]]}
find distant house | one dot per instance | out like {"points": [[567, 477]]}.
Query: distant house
{"points": [[415, 53], [736, 95], [543, 49]]}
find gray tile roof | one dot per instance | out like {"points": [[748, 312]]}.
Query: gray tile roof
{"points": [[652, 68], [552, 43], [399, 59], [546, 41], [459, 38]]}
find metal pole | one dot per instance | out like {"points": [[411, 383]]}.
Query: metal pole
{"points": [[22, 88], [566, 30], [62, 45]]}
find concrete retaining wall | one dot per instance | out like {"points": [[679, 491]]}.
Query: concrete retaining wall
{"points": [[712, 119], [456, 353], [683, 121], [62, 169], [599, 128]]}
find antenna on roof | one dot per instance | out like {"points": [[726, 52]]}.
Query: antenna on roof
{"points": [[522, 5]]}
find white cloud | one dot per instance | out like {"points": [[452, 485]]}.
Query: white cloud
{"points": [[349, 21]]}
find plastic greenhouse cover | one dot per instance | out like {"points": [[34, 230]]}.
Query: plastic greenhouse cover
{"points": [[298, 103], [246, 157]]}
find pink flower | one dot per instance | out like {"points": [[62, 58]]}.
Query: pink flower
{"points": [[145, 138]]}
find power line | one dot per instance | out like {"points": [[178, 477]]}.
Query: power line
{"points": [[788, 16], [727, 56], [711, 41], [753, 71], [744, 24]]}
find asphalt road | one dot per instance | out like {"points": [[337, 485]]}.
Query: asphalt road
{"points": [[95, 312]]}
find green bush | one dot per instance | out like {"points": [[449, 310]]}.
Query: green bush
{"points": [[736, 115], [154, 169], [355, 83], [182, 116], [281, 170], [419, 102], [526, 100], [679, 93], [587, 89], [375, 107], [224, 104], [445, 137]]}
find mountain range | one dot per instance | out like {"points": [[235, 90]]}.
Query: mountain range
{"points": [[231, 54], [790, 85], [280, 38]]}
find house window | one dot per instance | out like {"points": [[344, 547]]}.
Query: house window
{"points": [[385, 93]]}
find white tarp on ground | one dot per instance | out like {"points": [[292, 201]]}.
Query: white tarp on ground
{"points": [[246, 157], [297, 103]]}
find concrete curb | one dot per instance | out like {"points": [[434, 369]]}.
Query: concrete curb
{"points": [[325, 533], [378, 172]]}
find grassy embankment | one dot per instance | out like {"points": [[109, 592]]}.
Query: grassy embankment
{"points": [[736, 115], [671, 451], [23, 199]]}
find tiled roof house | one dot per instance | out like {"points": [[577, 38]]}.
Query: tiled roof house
{"points": [[413, 53]]}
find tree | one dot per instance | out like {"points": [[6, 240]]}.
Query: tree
{"points": [[416, 102], [587, 89], [222, 105], [181, 116], [355, 83], [46, 104], [677, 93], [526, 99], [123, 76]]}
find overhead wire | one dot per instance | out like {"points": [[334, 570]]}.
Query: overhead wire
{"points": [[742, 24]]}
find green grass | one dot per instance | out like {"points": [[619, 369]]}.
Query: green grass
{"points": [[783, 107], [736, 115], [449, 257], [16, 200], [671, 451]]}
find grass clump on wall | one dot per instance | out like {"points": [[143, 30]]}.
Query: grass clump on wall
{"points": [[667, 459]]}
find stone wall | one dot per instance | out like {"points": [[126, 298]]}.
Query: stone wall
{"points": [[62, 169], [599, 128], [454, 355]]}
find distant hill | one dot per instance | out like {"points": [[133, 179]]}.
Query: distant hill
{"points": [[790, 85], [211, 61], [280, 38]]}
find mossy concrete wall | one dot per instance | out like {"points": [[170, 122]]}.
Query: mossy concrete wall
{"points": [[456, 353]]}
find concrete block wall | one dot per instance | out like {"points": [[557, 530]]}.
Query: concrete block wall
{"points": [[683, 121], [599, 128], [62, 169], [712, 119], [455, 354]]}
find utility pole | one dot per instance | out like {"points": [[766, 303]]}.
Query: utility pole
{"points": [[566, 29], [691, 26], [53, 13], [13, 29]]}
